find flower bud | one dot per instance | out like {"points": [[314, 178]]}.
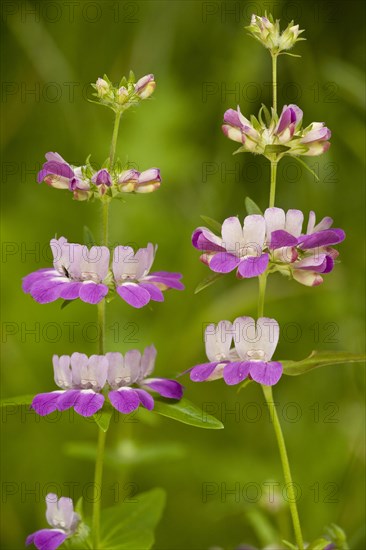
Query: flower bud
{"points": [[145, 86], [148, 181], [315, 138], [122, 95], [127, 180], [267, 32], [102, 87]]}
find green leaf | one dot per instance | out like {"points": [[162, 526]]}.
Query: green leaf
{"points": [[212, 224], [318, 544], [210, 280], [186, 412], [267, 115], [307, 167], [18, 400], [244, 384], [66, 303], [321, 359], [292, 54], [131, 524], [88, 237], [275, 149], [102, 418], [252, 207]]}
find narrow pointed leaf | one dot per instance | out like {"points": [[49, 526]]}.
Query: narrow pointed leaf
{"points": [[321, 359], [275, 149], [186, 412], [307, 167], [210, 280], [103, 418], [212, 224], [252, 207]]}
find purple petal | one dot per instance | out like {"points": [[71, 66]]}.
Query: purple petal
{"points": [[134, 295], [146, 399], [234, 373], [165, 387], [46, 403], [168, 280], [203, 239], [88, 402], [71, 291], [125, 400], [155, 292], [281, 238], [47, 539], [47, 290], [40, 275], [92, 293], [266, 373], [200, 373], [252, 267], [223, 262], [67, 399], [322, 238], [329, 264], [232, 117]]}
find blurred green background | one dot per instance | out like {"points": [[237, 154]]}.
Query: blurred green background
{"points": [[202, 60]]}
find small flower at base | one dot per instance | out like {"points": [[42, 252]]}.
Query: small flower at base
{"points": [[61, 517], [102, 87]]}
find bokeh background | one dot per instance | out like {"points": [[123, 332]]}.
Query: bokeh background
{"points": [[204, 63]]}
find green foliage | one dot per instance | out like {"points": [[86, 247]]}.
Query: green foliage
{"points": [[321, 359], [186, 412]]}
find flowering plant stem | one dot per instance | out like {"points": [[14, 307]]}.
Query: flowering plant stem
{"points": [[267, 390], [272, 194], [98, 473], [274, 81]]}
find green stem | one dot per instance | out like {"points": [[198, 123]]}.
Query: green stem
{"points": [[272, 193], [267, 390], [274, 81], [262, 279], [112, 152], [98, 473]]}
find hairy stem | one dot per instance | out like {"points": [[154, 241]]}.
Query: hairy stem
{"points": [[274, 81]]}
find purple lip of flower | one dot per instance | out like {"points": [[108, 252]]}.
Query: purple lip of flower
{"points": [[255, 343], [315, 138], [61, 517], [102, 177], [57, 173], [140, 182], [240, 247], [289, 121], [82, 378], [134, 284], [134, 368], [77, 273]]}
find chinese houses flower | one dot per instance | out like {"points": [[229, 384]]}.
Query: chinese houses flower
{"points": [[61, 517], [254, 343]]}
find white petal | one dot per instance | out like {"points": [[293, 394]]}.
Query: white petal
{"points": [[232, 235], [294, 221], [244, 336], [218, 340], [268, 332], [275, 220], [254, 234]]}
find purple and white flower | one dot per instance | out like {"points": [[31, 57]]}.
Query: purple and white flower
{"points": [[78, 272], [57, 173], [134, 282], [267, 32], [254, 135], [102, 179], [310, 254], [81, 379], [289, 122], [250, 357], [132, 181], [240, 129], [134, 369], [240, 246], [61, 517], [145, 86]]}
